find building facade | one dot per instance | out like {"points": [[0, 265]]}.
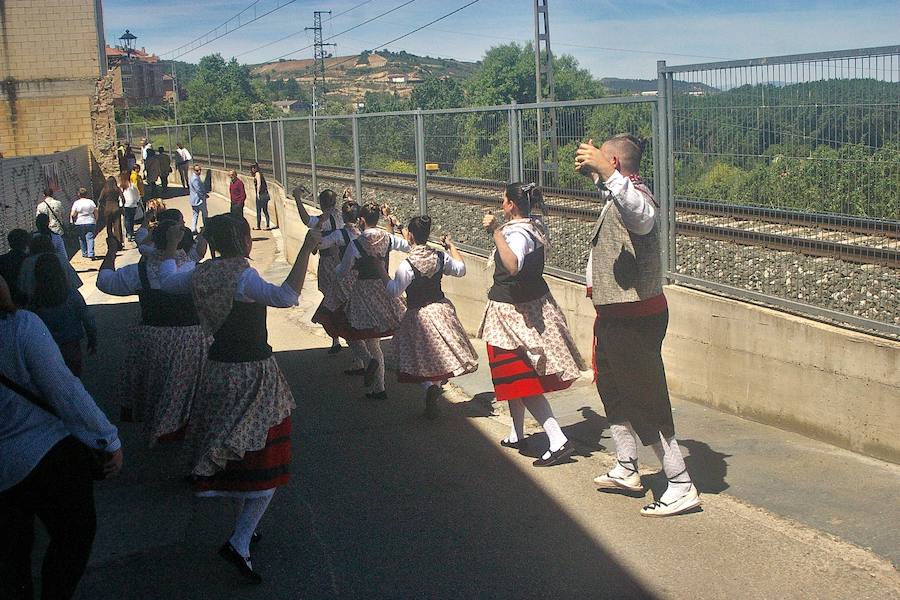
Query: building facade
{"points": [[138, 77], [52, 62]]}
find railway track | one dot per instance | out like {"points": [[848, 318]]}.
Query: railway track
{"points": [[852, 239]]}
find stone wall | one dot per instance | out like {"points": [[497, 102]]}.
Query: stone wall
{"points": [[51, 56]]}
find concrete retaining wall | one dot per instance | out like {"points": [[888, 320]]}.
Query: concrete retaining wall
{"points": [[797, 374]]}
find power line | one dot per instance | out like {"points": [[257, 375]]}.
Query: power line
{"points": [[216, 34], [357, 26], [266, 45], [407, 34]]}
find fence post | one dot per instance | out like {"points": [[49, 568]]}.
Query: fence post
{"points": [[669, 159], [237, 138], [514, 155], [222, 137], [282, 156], [357, 176], [421, 174], [272, 148], [255, 147], [208, 155], [169, 139], [190, 141], [312, 158]]}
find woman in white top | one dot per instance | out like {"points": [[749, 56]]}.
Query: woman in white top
{"points": [[328, 222], [169, 338], [84, 216], [242, 422], [131, 199], [372, 313], [530, 349], [431, 345]]}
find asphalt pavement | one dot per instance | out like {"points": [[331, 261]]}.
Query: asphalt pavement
{"points": [[386, 504]]}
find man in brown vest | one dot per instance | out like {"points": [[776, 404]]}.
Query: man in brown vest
{"points": [[624, 278]]}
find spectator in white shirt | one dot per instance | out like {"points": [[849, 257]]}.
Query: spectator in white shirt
{"points": [[53, 208], [182, 162], [131, 200], [84, 215]]}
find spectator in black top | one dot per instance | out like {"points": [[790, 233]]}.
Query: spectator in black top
{"points": [[11, 262]]}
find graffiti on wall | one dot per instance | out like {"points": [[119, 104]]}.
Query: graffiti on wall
{"points": [[24, 179]]}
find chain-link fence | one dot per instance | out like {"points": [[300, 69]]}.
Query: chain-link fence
{"points": [[778, 179], [785, 176]]}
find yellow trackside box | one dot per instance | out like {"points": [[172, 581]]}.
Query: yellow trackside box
{"points": [[432, 167]]}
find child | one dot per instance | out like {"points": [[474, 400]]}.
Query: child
{"points": [[372, 313], [431, 344]]}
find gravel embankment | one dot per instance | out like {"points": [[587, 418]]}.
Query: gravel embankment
{"points": [[868, 291]]}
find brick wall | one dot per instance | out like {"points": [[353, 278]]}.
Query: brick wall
{"points": [[50, 60]]}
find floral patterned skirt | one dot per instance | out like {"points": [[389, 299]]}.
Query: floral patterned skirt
{"points": [[236, 410], [537, 332], [372, 312], [163, 370], [431, 345]]}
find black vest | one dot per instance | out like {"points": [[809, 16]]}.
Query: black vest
{"points": [[159, 309], [243, 336], [526, 285], [367, 265], [425, 290], [343, 249]]}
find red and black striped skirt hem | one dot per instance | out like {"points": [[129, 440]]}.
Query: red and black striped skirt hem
{"points": [[514, 377], [259, 469]]}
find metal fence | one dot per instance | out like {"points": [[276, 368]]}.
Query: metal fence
{"points": [[798, 158], [778, 178]]}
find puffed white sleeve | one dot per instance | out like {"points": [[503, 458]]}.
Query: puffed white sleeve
{"points": [[402, 278], [453, 267], [174, 279], [637, 208], [124, 281], [521, 245], [399, 243], [251, 287]]}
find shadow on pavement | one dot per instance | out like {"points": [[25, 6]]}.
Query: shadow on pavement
{"points": [[382, 504]]}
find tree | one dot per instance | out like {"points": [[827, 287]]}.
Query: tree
{"points": [[438, 93], [221, 91], [506, 74]]}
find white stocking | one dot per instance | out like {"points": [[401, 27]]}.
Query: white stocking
{"points": [[374, 348], [626, 449], [517, 412], [247, 520], [669, 454], [360, 354], [540, 409]]}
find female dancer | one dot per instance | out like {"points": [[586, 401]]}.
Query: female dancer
{"points": [[168, 339], [431, 344], [242, 422], [371, 311], [329, 221], [331, 313], [526, 360]]}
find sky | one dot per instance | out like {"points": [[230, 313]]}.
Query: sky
{"points": [[611, 39]]}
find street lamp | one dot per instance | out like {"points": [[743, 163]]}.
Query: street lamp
{"points": [[127, 45]]}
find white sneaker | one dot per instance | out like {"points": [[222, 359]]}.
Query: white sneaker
{"points": [[631, 482], [689, 501]]}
